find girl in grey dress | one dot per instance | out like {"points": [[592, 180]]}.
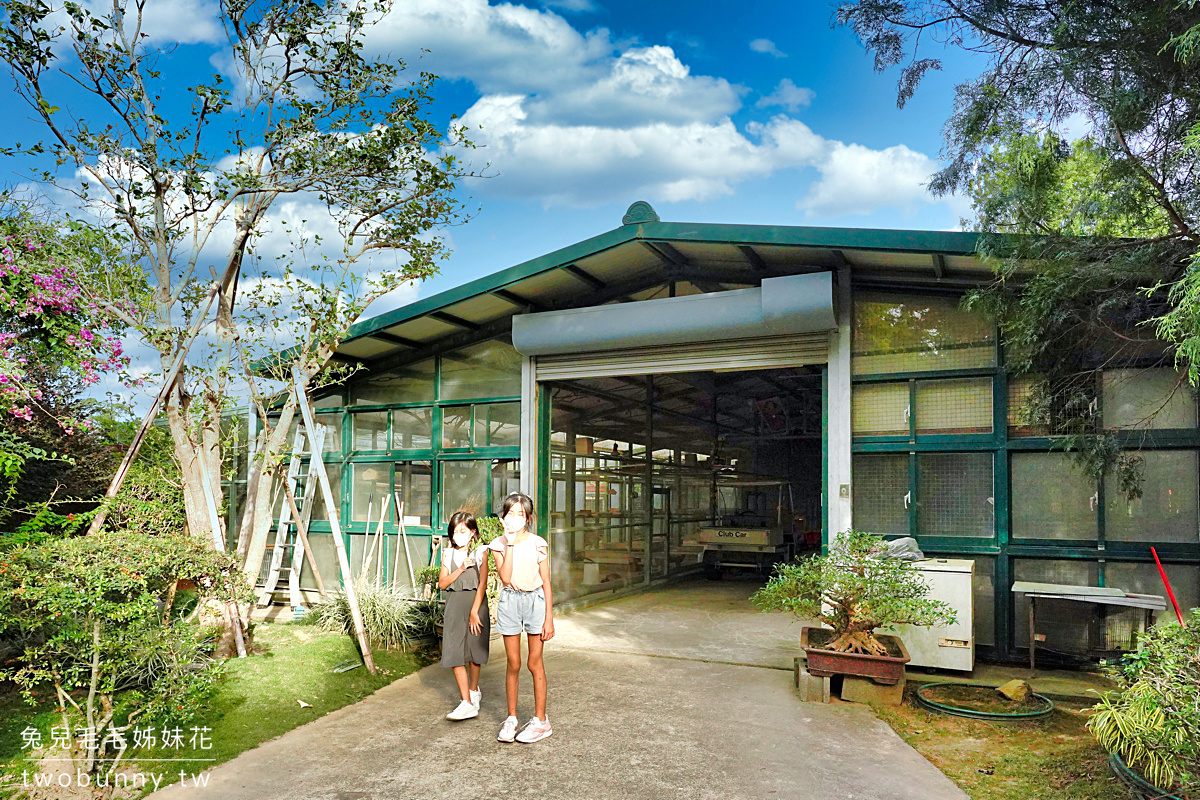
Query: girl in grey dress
{"points": [[466, 628]]}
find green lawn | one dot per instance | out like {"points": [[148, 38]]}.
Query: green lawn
{"points": [[1055, 759], [256, 700]]}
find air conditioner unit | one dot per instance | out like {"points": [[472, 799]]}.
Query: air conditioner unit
{"points": [[949, 646]]}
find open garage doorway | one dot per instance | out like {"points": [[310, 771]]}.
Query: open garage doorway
{"points": [[662, 475]]}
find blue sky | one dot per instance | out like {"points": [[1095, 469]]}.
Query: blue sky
{"points": [[749, 113], [844, 154]]}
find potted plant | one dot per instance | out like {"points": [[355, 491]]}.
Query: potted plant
{"points": [[853, 590], [1151, 725]]}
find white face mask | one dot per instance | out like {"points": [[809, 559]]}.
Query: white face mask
{"points": [[461, 539], [513, 524]]}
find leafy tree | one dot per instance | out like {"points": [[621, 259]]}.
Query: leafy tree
{"points": [[301, 114], [54, 343], [1110, 218]]}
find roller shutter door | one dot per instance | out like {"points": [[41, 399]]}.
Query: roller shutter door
{"points": [[772, 352]]}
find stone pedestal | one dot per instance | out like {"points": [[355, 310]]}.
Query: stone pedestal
{"points": [[812, 689], [865, 690]]}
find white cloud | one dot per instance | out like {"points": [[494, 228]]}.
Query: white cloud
{"points": [[583, 119], [569, 77], [501, 48], [857, 180], [643, 84], [788, 95], [768, 47], [587, 165], [163, 21], [183, 21]]}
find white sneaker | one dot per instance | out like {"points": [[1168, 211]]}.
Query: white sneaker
{"points": [[534, 731], [476, 696], [508, 731], [465, 710]]}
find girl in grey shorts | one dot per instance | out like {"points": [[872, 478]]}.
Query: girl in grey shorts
{"points": [[466, 627], [525, 606]]}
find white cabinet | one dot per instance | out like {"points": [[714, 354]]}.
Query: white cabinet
{"points": [[950, 646]]}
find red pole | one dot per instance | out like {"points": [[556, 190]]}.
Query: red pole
{"points": [[1167, 584]]}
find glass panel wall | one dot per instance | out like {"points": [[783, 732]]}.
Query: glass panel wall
{"points": [[412, 429], [1147, 398], [498, 425], [962, 405], [983, 592], [410, 383], [1064, 624], [487, 369], [465, 488], [1166, 511], [1052, 498], [880, 409], [414, 485], [897, 333], [456, 427], [370, 486], [954, 494], [312, 490], [881, 496], [370, 429]]}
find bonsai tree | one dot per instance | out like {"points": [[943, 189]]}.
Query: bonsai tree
{"points": [[854, 589]]}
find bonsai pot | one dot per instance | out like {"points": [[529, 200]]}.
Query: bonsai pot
{"points": [[885, 670]]}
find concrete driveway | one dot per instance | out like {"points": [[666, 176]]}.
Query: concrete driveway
{"points": [[683, 693]]}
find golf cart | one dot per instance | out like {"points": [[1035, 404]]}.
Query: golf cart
{"points": [[753, 530]]}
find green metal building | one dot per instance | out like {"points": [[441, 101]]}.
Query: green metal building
{"points": [[623, 380]]}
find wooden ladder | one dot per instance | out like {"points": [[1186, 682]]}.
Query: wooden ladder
{"points": [[288, 532]]}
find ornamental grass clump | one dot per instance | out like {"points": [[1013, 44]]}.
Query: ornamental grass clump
{"points": [[390, 615], [853, 590], [1153, 721]]}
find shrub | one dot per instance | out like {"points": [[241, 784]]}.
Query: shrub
{"points": [[87, 612], [854, 591], [390, 616], [1153, 721], [489, 528]]}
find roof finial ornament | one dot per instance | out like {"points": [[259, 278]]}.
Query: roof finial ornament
{"points": [[639, 212]]}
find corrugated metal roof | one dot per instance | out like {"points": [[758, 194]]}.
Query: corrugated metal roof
{"points": [[628, 262]]}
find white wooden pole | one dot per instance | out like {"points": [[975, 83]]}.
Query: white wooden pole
{"points": [[331, 506], [234, 613]]}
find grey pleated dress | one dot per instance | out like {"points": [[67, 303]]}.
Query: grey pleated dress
{"points": [[459, 645]]}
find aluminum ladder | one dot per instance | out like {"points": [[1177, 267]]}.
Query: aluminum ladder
{"points": [[287, 554]]}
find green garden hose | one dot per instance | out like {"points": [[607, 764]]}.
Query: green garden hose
{"points": [[933, 705]]}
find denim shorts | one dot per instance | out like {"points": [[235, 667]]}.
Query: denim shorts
{"points": [[517, 611]]}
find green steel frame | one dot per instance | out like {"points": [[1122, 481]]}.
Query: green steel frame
{"points": [[435, 454], [1002, 546]]}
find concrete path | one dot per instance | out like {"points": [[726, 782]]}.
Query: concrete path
{"points": [[642, 707]]}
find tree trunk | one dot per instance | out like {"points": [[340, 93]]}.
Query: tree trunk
{"points": [[188, 456], [858, 641], [261, 516]]}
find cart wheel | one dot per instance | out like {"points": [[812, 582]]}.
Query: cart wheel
{"points": [[712, 573]]}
